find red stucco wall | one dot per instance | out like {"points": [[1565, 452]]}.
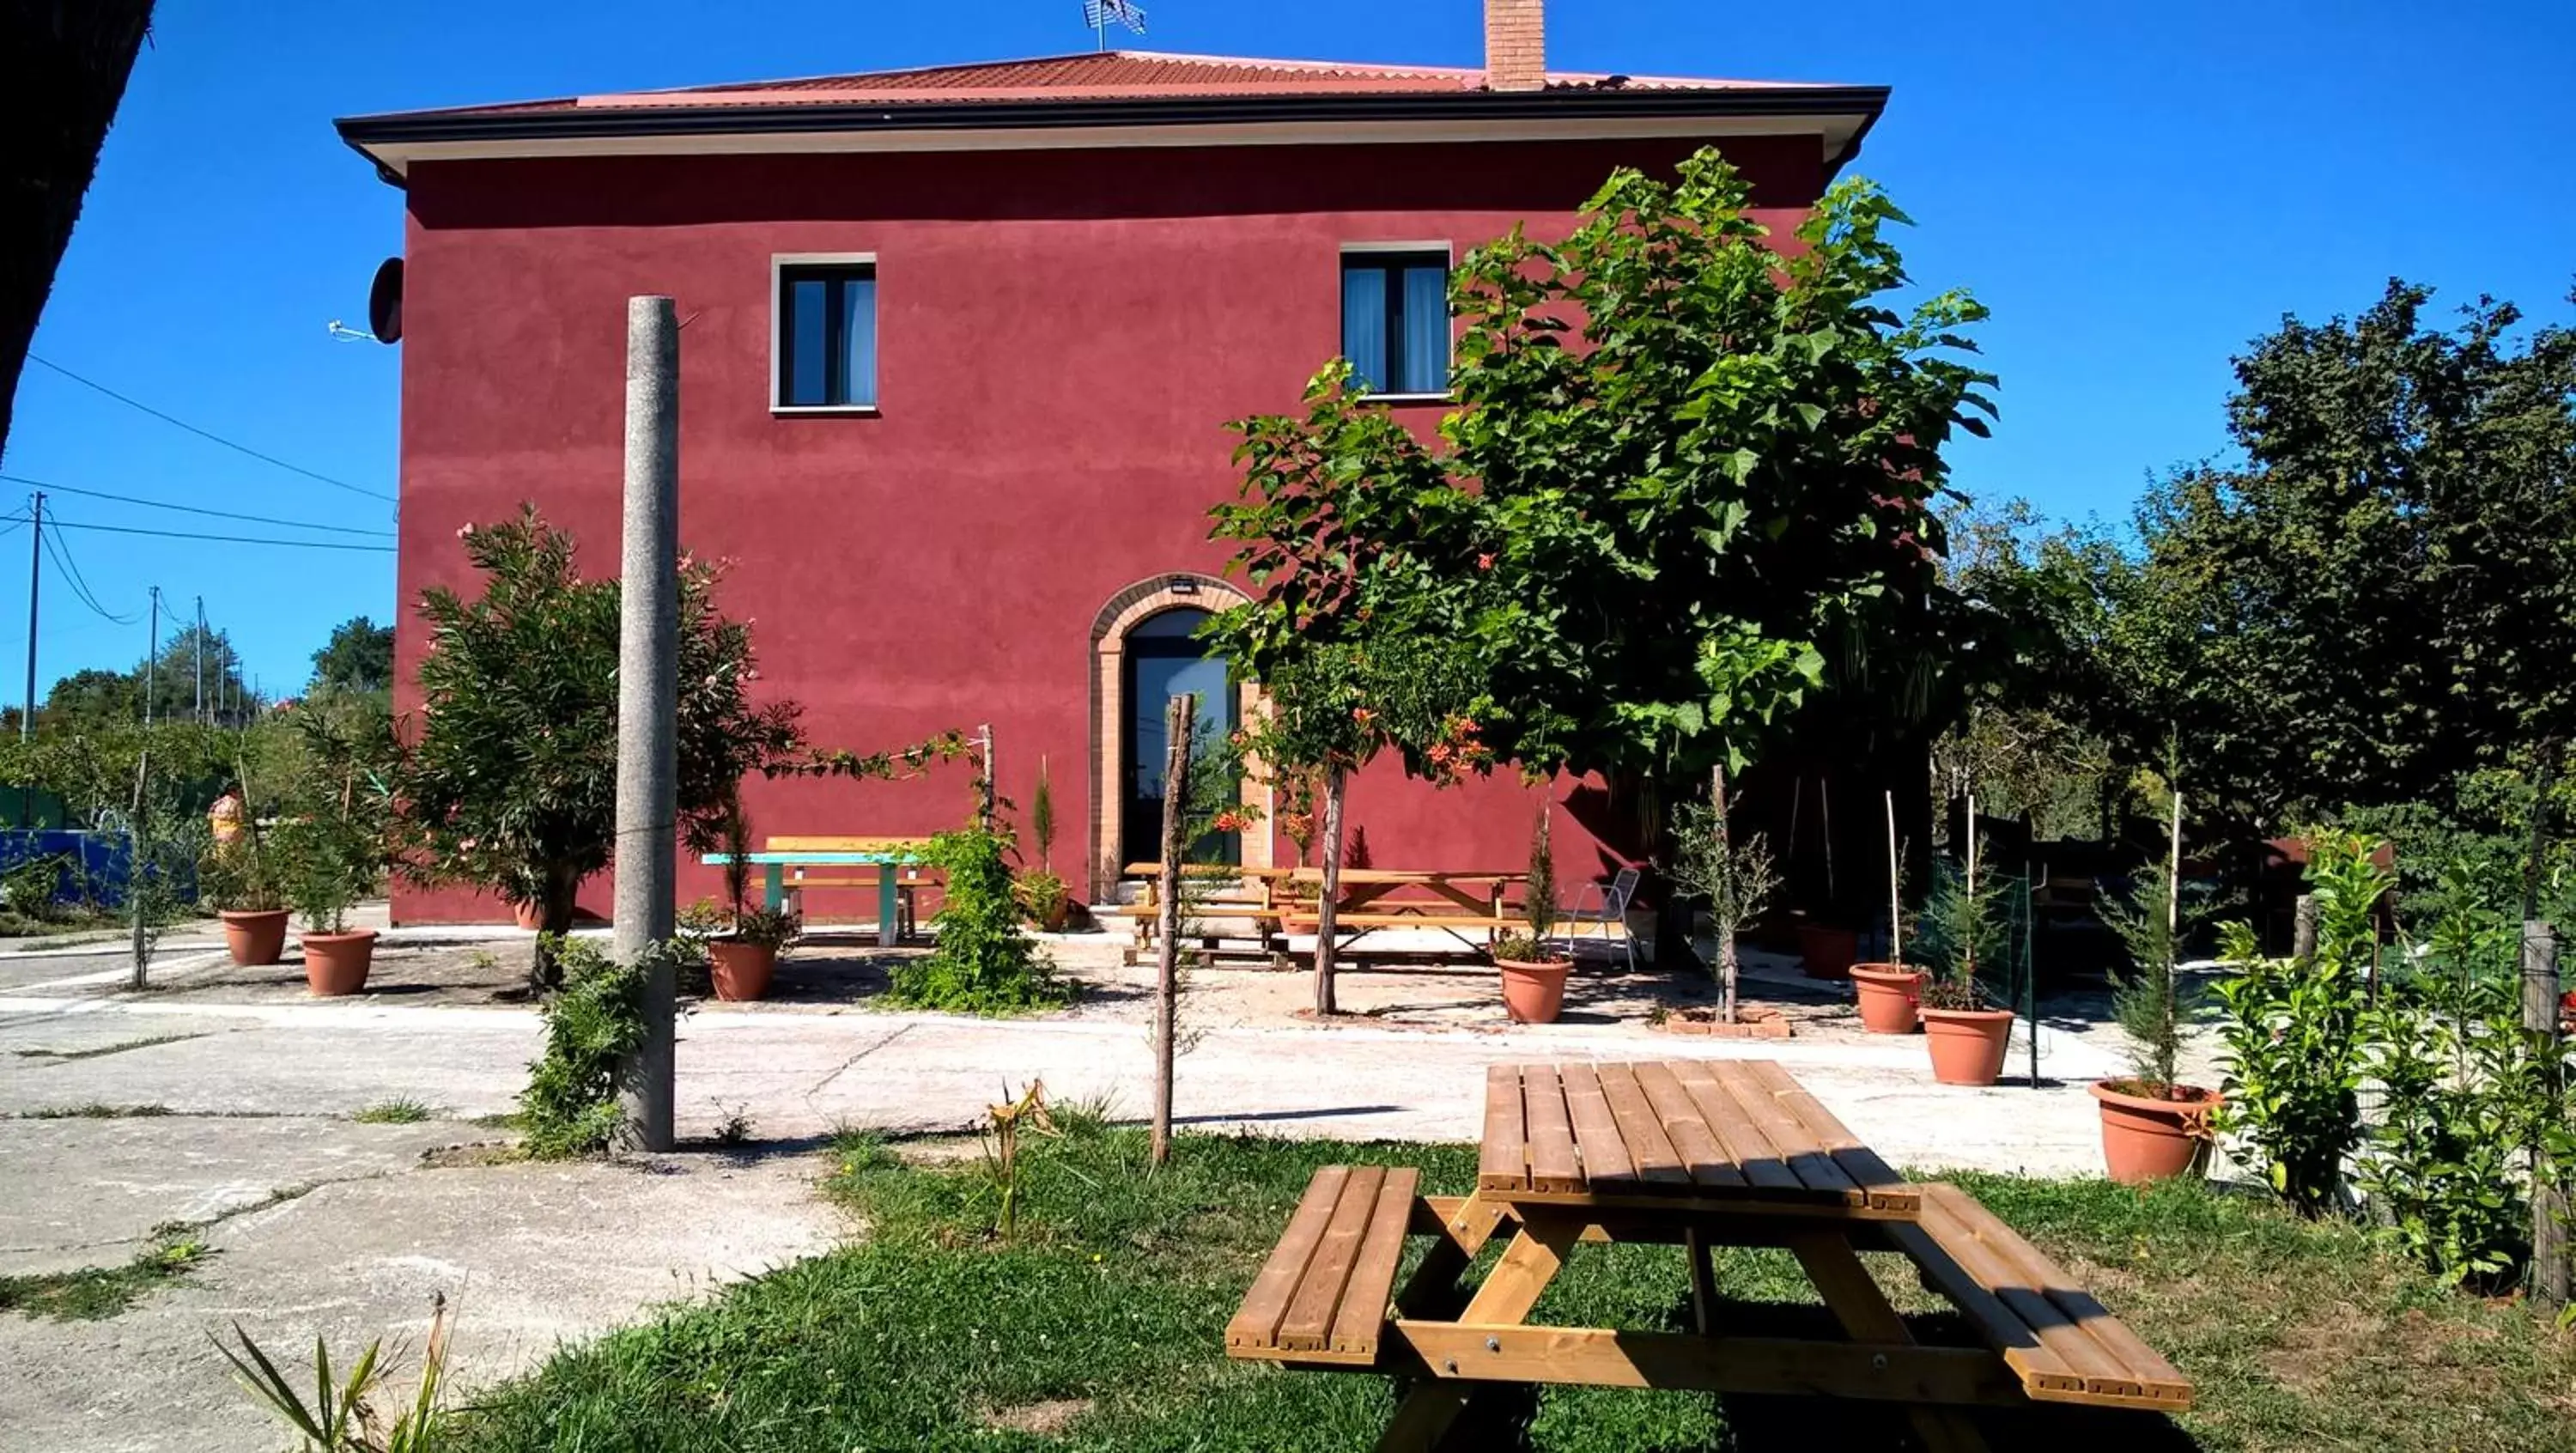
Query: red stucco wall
{"points": [[1062, 335]]}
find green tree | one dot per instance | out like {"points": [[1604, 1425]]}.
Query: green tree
{"points": [[360, 657], [92, 698], [510, 783], [2380, 596], [1691, 475]]}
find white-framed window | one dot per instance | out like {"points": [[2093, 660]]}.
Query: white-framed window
{"points": [[1395, 317], [823, 333]]}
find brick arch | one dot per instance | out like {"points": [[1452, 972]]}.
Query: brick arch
{"points": [[1123, 612]]}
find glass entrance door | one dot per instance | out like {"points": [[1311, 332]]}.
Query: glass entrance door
{"points": [[1164, 661]]}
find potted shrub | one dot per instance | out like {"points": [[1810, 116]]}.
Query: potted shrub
{"points": [[1044, 899], [745, 956], [238, 878], [2152, 1126], [1966, 1039], [1891, 993], [1533, 973], [329, 866]]}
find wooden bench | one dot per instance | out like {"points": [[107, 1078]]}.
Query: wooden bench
{"points": [[1322, 1298], [910, 878], [2062, 1344]]}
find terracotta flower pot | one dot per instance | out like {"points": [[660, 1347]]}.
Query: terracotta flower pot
{"points": [[1967, 1044], [255, 938], [2146, 1138], [1827, 953], [1889, 996], [528, 916], [1534, 993], [742, 970], [337, 963]]}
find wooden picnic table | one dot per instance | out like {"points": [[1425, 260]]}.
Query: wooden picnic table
{"points": [[1697, 1154], [776, 863]]}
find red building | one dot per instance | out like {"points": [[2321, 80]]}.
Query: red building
{"points": [[960, 348]]}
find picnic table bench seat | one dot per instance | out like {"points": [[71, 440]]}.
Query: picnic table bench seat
{"points": [[2062, 1343], [1323, 1295]]}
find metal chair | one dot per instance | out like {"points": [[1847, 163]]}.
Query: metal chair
{"points": [[1614, 898]]}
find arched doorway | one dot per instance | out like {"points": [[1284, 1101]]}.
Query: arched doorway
{"points": [[1164, 659], [1145, 653]]}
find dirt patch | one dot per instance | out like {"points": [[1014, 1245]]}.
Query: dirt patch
{"points": [[489, 1152], [1038, 1420]]}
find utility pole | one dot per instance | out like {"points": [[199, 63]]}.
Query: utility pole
{"points": [[648, 650], [197, 659], [35, 578], [151, 654]]}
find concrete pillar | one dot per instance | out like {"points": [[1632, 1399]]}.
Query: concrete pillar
{"points": [[648, 699]]}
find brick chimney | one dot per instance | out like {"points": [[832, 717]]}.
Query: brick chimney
{"points": [[1516, 45]]}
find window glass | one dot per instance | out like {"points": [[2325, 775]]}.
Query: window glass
{"points": [[1395, 321], [827, 355]]}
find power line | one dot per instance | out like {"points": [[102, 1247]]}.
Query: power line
{"points": [[80, 582], [80, 587], [54, 524], [190, 509], [209, 435]]}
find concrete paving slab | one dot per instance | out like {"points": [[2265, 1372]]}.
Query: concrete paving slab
{"points": [[89, 1192], [530, 1256]]}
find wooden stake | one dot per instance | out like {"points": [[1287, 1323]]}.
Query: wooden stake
{"points": [[1825, 811], [1182, 718], [1895, 892], [134, 868], [2549, 1263], [1326, 901], [1725, 929], [1970, 947]]}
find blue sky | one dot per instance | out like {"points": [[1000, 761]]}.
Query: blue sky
{"points": [[2135, 190]]}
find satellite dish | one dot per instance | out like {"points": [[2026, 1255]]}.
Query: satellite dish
{"points": [[384, 302]]}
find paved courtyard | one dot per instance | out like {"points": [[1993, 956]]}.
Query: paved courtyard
{"points": [[222, 1101]]}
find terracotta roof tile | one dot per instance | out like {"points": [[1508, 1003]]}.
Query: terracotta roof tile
{"points": [[1101, 75]]}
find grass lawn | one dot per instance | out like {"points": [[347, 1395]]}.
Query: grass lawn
{"points": [[1099, 1325]]}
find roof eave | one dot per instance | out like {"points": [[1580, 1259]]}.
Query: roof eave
{"points": [[367, 134]]}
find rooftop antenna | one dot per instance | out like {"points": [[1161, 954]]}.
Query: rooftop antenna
{"points": [[1099, 13]]}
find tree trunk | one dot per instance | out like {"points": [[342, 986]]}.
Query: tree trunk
{"points": [[63, 69], [1325, 901], [555, 910]]}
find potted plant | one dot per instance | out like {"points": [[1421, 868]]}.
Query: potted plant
{"points": [[1891, 993], [1533, 974], [1967, 1040], [743, 958], [1827, 952], [239, 879], [2152, 1126], [746, 955], [330, 864], [1044, 899]]}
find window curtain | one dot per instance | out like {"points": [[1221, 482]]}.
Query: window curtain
{"points": [[1426, 331], [806, 316], [1364, 324], [859, 340]]}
